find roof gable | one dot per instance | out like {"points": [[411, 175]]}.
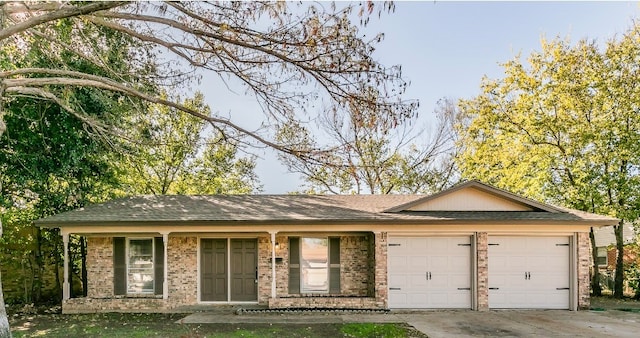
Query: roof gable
{"points": [[474, 196]]}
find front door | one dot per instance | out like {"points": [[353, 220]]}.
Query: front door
{"points": [[228, 265], [244, 272]]}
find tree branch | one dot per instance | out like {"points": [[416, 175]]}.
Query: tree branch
{"points": [[61, 13]]}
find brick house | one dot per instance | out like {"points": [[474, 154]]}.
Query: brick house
{"points": [[472, 247]]}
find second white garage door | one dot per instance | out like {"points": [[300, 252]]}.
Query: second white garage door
{"points": [[529, 272], [429, 272]]}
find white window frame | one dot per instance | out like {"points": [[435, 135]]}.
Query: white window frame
{"points": [[153, 265], [606, 255], [304, 288]]}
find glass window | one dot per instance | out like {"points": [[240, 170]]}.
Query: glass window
{"points": [[314, 265], [140, 266], [602, 256]]}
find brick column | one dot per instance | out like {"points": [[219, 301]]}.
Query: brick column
{"points": [[482, 246], [380, 256], [583, 265]]}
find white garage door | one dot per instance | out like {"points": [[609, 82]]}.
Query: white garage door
{"points": [[429, 272], [529, 272]]}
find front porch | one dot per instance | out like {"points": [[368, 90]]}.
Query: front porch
{"points": [[361, 268]]}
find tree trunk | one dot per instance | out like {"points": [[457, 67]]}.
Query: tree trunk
{"points": [[83, 257], [595, 277], [5, 331], [619, 276]]}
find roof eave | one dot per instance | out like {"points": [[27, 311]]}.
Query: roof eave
{"points": [[586, 222]]}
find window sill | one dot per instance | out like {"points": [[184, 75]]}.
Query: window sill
{"points": [[140, 295]]}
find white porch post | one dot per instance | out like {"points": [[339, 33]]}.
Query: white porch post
{"points": [[273, 264], [165, 284], [65, 285]]}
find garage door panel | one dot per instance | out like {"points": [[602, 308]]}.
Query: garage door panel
{"points": [[437, 267], [418, 262], [417, 281], [529, 272]]}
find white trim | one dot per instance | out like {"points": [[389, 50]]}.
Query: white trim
{"points": [[165, 284], [323, 228], [574, 293], [273, 265], [228, 287], [198, 271], [66, 290], [474, 271], [127, 259]]}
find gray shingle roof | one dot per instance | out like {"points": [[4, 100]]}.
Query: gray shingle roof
{"points": [[231, 209]]}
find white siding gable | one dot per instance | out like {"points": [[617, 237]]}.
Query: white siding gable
{"points": [[470, 199]]}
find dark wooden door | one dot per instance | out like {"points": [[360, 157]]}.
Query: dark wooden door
{"points": [[213, 268], [244, 272]]}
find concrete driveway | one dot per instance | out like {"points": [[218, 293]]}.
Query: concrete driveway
{"points": [[525, 323], [462, 323]]}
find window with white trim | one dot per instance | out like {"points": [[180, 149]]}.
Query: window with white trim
{"points": [[314, 265], [140, 273], [601, 257]]}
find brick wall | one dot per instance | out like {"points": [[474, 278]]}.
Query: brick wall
{"points": [[182, 273], [583, 274], [182, 255], [358, 276], [100, 267], [264, 267], [482, 246], [354, 265], [380, 274]]}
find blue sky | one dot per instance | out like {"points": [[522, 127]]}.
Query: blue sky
{"points": [[445, 48]]}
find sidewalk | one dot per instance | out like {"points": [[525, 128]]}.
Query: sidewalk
{"points": [[457, 323]]}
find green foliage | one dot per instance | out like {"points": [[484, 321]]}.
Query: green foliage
{"points": [[174, 153], [563, 128], [52, 159]]}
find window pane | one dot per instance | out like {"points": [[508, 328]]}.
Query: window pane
{"points": [[602, 256], [140, 267], [314, 265]]}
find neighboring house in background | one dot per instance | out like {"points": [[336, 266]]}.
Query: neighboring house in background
{"points": [[605, 240], [472, 246]]}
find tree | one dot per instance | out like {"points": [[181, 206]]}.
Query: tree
{"points": [[370, 158], [4, 321], [173, 155], [52, 161], [565, 128], [291, 59]]}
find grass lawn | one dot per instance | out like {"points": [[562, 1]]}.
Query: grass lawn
{"points": [[164, 325]]}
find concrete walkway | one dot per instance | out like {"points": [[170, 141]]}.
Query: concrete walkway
{"points": [[459, 323]]}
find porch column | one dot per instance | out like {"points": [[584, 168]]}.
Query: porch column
{"points": [[65, 285], [165, 284], [273, 264]]}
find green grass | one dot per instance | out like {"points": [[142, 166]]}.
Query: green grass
{"points": [[369, 330], [164, 325]]}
